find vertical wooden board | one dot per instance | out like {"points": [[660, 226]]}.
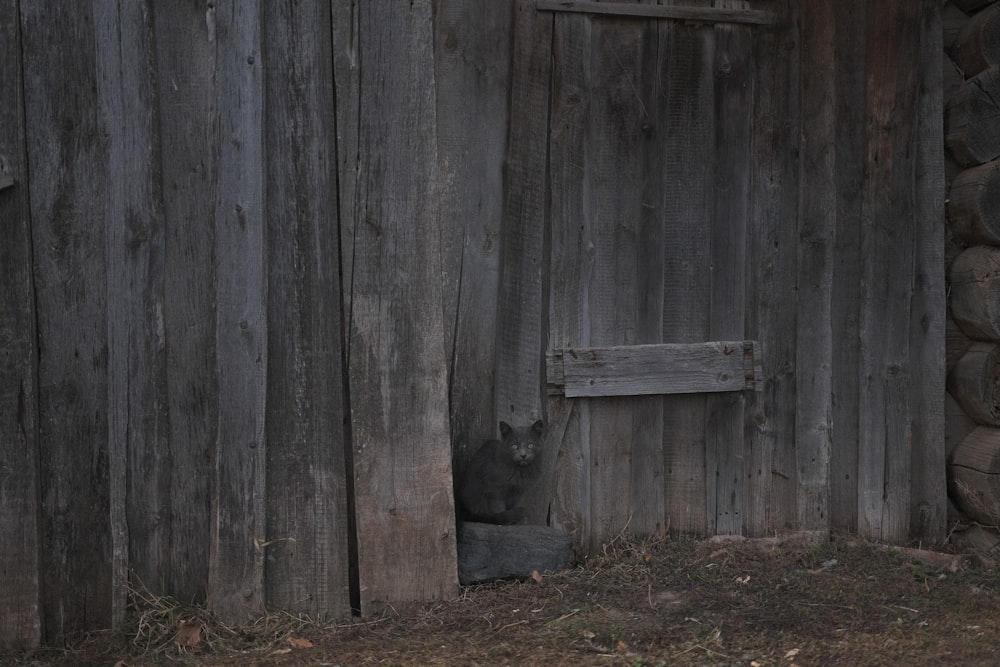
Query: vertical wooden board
{"points": [[67, 161], [519, 364], [771, 313], [472, 44], [888, 238], [817, 233], [613, 127], [306, 566], [20, 596], [185, 61], [137, 400], [724, 430], [570, 259], [851, 25], [928, 513], [688, 136], [236, 565], [647, 480], [398, 373]]}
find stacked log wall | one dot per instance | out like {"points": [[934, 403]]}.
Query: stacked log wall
{"points": [[972, 139]]}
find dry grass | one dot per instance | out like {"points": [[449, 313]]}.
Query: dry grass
{"points": [[801, 601]]}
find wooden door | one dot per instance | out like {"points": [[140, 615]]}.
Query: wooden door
{"points": [[649, 357]]}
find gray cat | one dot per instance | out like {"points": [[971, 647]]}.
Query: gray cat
{"points": [[492, 487]]}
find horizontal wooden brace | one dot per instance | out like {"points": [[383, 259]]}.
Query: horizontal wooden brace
{"points": [[669, 368], [700, 14]]}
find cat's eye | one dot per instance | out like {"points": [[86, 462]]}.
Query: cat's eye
{"points": [[513, 445], [531, 445]]}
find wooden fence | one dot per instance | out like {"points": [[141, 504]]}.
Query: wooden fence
{"points": [[270, 268]]}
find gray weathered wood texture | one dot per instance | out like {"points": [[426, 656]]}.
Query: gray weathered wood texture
{"points": [[20, 596], [276, 268], [67, 148], [665, 368], [397, 368], [306, 564]]}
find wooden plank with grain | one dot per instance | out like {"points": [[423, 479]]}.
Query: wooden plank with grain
{"points": [[889, 239], [651, 369], [67, 150], [138, 418], [238, 522], [770, 411], [689, 136], [306, 568], [20, 502], [186, 56], [398, 374], [724, 423], [817, 235]]}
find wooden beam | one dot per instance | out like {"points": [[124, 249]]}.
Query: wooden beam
{"points": [[702, 14], [669, 368]]}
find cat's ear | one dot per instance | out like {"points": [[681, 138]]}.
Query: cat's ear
{"points": [[537, 427], [505, 429]]}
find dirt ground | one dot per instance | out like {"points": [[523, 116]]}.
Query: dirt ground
{"points": [[674, 601]]}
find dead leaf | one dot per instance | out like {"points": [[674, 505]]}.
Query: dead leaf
{"points": [[791, 654], [300, 642], [587, 634], [280, 651], [622, 646], [188, 633], [536, 576]]}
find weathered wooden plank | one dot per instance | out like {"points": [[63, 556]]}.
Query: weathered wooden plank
{"points": [[568, 428], [67, 154], [687, 206], [771, 500], [847, 289], [655, 11], [307, 558], [472, 70], [519, 379], [137, 401], [888, 239], [236, 565], [487, 552], [398, 372], [20, 595], [928, 496], [724, 420], [608, 299], [647, 511], [185, 57], [665, 368], [817, 231]]}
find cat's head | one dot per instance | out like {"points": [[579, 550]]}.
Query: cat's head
{"points": [[522, 443]]}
